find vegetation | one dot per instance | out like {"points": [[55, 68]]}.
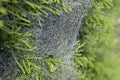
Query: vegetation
{"points": [[93, 58], [13, 18], [97, 57]]}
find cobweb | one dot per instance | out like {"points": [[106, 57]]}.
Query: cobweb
{"points": [[57, 37]]}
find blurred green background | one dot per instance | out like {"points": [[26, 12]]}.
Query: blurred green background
{"points": [[114, 48]]}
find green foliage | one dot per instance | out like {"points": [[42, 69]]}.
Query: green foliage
{"points": [[13, 18], [47, 66], [90, 60], [14, 15], [96, 32]]}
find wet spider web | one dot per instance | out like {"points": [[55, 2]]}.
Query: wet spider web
{"points": [[56, 37]]}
